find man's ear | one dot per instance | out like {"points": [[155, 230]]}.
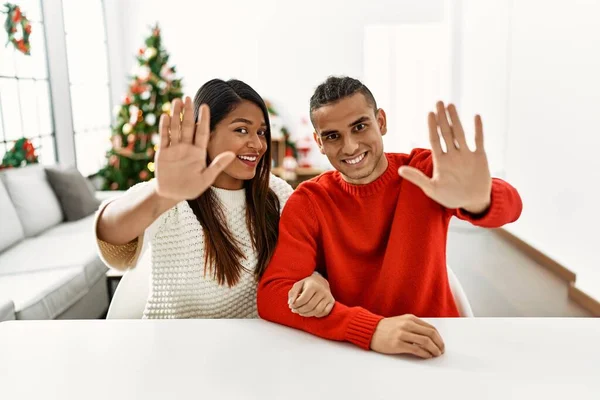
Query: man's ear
{"points": [[319, 142], [382, 121]]}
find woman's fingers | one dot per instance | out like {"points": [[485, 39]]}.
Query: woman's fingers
{"points": [[187, 125], [176, 108], [163, 129]]}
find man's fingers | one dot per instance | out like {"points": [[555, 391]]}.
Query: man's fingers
{"points": [[328, 308], [424, 342], [163, 129], [202, 133], [442, 121], [434, 136], [176, 121], [318, 311], [431, 333], [187, 125], [478, 134], [457, 129], [307, 293], [416, 177], [310, 306], [216, 167], [418, 351], [419, 321], [294, 292]]}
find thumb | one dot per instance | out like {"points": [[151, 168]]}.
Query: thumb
{"points": [[295, 292], [217, 166], [416, 177]]}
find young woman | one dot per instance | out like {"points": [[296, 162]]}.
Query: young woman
{"points": [[211, 215]]}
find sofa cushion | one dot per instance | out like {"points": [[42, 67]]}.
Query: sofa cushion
{"points": [[76, 198], [47, 274], [66, 245], [12, 230], [7, 310], [36, 204]]}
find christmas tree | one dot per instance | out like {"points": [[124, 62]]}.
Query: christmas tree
{"points": [[153, 86]]}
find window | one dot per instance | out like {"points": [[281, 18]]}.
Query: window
{"points": [[85, 38], [25, 107]]}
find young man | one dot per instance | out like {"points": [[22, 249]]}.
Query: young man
{"points": [[377, 226]]}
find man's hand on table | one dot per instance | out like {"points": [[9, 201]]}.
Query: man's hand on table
{"points": [[407, 334]]}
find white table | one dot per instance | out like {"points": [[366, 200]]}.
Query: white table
{"points": [[253, 359]]}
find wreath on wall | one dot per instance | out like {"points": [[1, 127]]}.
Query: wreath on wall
{"points": [[18, 28]]}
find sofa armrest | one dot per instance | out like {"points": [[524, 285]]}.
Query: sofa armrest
{"points": [[7, 310]]}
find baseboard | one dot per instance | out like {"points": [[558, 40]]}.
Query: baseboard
{"points": [[559, 270], [590, 304], [584, 300]]}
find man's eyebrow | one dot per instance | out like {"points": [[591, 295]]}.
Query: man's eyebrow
{"points": [[358, 121]]}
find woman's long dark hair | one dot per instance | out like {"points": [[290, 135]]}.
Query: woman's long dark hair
{"points": [[262, 205]]}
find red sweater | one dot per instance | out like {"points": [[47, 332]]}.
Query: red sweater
{"points": [[382, 246]]}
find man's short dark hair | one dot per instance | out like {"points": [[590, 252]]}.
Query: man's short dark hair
{"points": [[336, 88]]}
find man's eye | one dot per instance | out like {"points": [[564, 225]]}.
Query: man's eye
{"points": [[360, 127], [332, 136]]}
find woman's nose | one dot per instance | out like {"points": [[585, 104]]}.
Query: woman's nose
{"points": [[255, 142]]}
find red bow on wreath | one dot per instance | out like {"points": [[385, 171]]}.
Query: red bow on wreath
{"points": [[17, 27]]}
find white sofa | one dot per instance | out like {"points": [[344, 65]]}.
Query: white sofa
{"points": [[49, 269]]}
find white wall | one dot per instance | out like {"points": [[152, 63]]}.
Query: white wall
{"points": [[282, 49], [484, 66], [532, 68], [414, 73]]}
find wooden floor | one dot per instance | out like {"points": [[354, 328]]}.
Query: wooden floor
{"points": [[502, 282]]}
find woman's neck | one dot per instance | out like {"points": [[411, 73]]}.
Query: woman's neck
{"points": [[227, 182]]}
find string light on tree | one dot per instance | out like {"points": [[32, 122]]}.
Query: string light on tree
{"points": [[150, 119]]}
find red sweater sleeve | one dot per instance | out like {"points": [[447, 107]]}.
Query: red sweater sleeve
{"points": [[505, 207], [296, 258]]}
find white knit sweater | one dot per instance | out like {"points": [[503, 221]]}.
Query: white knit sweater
{"points": [[179, 287]]}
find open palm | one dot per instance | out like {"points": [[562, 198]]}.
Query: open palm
{"points": [[461, 177], [181, 170]]}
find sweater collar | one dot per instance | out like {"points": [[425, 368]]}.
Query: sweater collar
{"points": [[374, 187], [230, 198]]}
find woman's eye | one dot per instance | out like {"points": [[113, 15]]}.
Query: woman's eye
{"points": [[262, 133], [242, 130]]}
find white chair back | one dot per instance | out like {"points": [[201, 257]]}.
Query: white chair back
{"points": [[460, 297], [129, 300]]}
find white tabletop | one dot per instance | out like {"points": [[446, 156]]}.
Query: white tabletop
{"points": [[254, 359]]}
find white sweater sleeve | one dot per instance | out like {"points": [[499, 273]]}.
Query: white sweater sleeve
{"points": [[126, 255]]}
